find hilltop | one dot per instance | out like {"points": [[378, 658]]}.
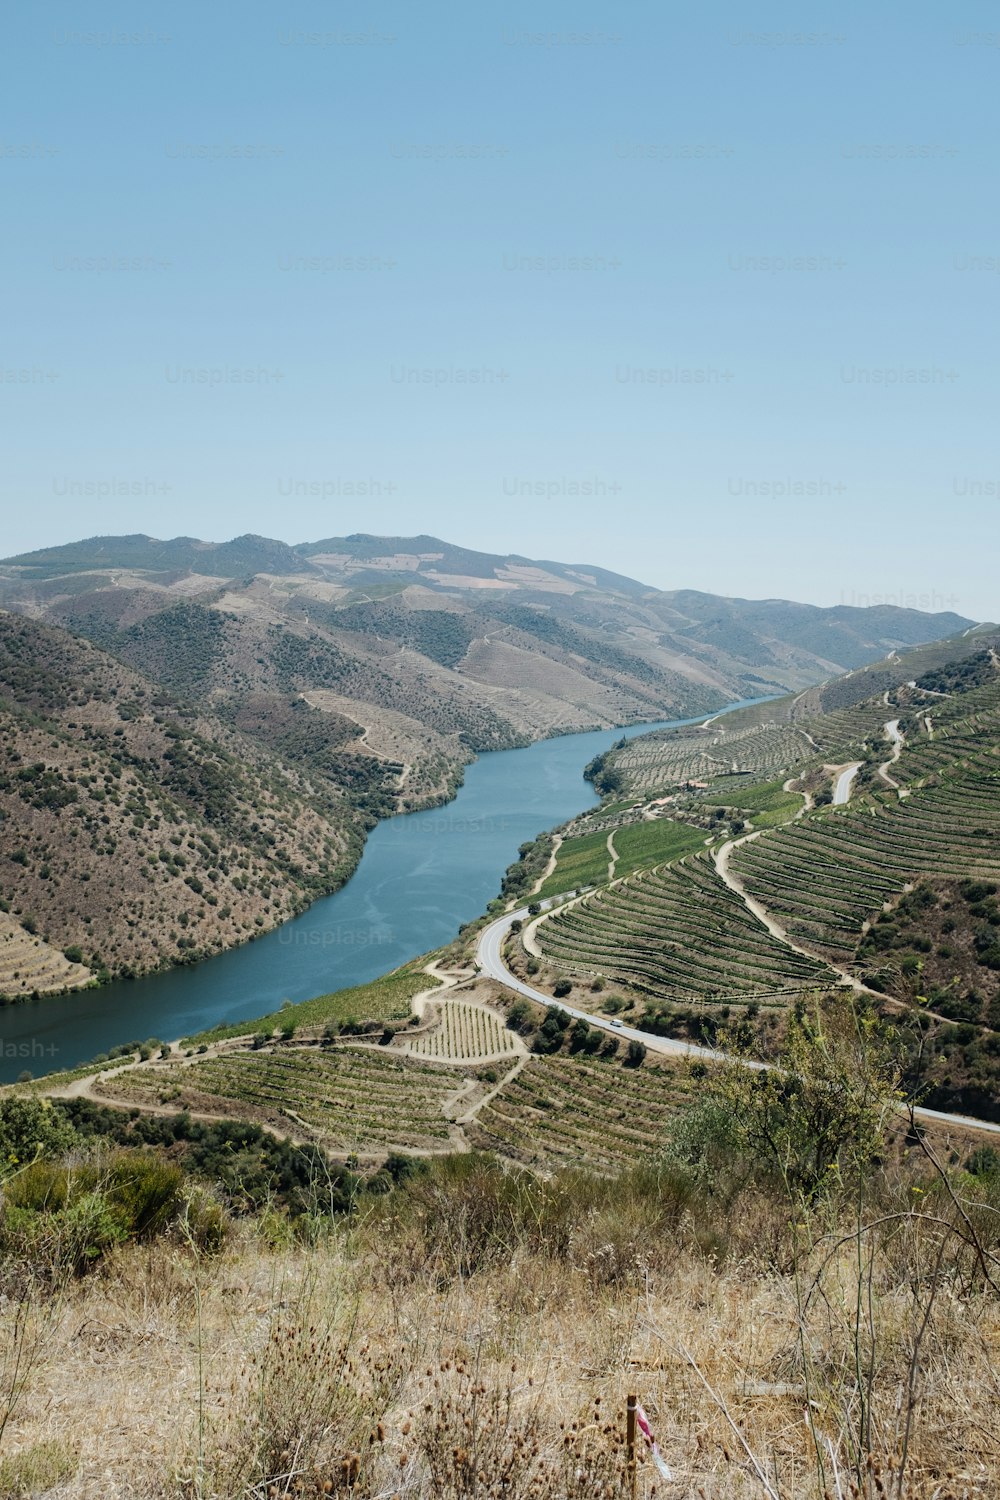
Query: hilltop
{"points": [[488, 647]]}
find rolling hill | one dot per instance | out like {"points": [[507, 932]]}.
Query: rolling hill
{"points": [[490, 649], [198, 734]]}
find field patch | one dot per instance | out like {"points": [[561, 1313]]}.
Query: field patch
{"points": [[347, 1098], [569, 1111], [579, 862], [465, 1033], [640, 845]]}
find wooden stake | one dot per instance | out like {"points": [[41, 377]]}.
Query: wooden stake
{"points": [[630, 1443]]}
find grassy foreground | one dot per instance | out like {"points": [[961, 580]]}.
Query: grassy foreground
{"points": [[806, 1299], [465, 1343]]}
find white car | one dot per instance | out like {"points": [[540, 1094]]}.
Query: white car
{"points": [[617, 1024]]}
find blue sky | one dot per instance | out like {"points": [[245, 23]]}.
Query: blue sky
{"points": [[704, 294]]}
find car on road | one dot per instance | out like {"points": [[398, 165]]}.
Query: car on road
{"points": [[617, 1024]]}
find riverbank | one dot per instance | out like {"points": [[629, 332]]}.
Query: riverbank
{"points": [[421, 876]]}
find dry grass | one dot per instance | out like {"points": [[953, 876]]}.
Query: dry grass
{"points": [[350, 1368]]}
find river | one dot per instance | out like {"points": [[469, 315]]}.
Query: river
{"points": [[420, 877]]}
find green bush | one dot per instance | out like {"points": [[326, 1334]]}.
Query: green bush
{"points": [[62, 1217], [37, 1469], [30, 1128], [147, 1190]]}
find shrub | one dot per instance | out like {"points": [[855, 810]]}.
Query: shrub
{"points": [[519, 1016], [147, 1189], [817, 1120], [203, 1221], [984, 1162], [30, 1128]]}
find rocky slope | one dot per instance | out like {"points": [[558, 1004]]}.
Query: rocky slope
{"points": [[136, 831], [196, 735]]}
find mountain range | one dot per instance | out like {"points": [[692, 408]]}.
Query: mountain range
{"points": [[197, 735]]}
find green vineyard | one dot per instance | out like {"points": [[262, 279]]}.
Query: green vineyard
{"points": [[563, 1110], [824, 876], [465, 1033], [347, 1098], [677, 933], [657, 762]]}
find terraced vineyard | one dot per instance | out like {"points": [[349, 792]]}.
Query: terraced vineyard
{"points": [[466, 1033], [656, 762], [564, 1110], [27, 963], [348, 1098], [823, 876], [926, 756], [840, 735], [677, 933], [964, 728]]}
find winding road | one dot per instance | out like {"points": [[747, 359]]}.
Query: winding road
{"points": [[893, 733], [842, 789], [489, 957]]}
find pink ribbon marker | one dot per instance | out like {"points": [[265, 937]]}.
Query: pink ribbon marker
{"points": [[642, 1421]]}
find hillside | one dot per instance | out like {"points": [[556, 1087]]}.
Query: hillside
{"points": [[307, 1265], [137, 831], [425, 1219], [736, 867], [475, 650], [274, 701]]}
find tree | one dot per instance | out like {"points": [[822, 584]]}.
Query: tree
{"points": [[30, 1128], [819, 1117], [578, 1035], [635, 1054], [519, 1016]]}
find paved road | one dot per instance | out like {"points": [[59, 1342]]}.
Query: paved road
{"points": [[842, 791], [490, 959], [489, 956]]}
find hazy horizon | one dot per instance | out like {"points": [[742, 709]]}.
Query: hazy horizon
{"points": [[929, 602]]}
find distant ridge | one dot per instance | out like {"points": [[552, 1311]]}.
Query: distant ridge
{"points": [[268, 703]]}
